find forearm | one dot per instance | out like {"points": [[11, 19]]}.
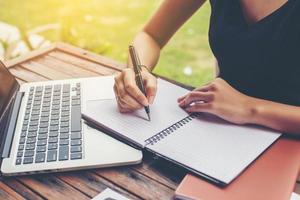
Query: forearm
{"points": [[281, 117], [148, 50]]}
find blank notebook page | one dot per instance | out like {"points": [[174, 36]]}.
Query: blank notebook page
{"points": [[214, 147], [164, 112]]}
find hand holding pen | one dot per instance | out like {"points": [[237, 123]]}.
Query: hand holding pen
{"points": [[128, 94]]}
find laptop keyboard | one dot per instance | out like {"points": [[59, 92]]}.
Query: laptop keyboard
{"points": [[51, 128]]}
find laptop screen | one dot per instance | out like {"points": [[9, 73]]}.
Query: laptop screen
{"points": [[8, 87]]}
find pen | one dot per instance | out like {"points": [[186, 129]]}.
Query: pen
{"points": [[138, 77]]}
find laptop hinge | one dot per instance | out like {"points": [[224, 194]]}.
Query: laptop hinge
{"points": [[12, 124]]}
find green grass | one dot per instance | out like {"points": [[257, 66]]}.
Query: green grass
{"points": [[108, 26]]}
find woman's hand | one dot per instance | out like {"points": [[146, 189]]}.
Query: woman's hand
{"points": [[220, 99], [128, 95]]}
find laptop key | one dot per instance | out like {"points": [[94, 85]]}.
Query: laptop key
{"points": [[52, 146], [43, 130], [75, 135], [41, 148], [51, 156], [67, 108], [40, 157], [24, 128], [32, 128], [65, 119], [63, 142], [55, 107], [56, 103], [75, 142], [76, 149], [65, 113], [42, 136], [45, 114], [30, 147], [22, 140], [29, 153], [75, 156], [44, 119], [23, 134], [76, 118], [20, 154], [64, 136], [53, 134], [21, 147], [33, 123], [43, 125], [34, 118], [18, 161], [31, 140], [54, 117], [65, 104], [25, 122], [53, 128], [64, 124], [75, 102], [63, 153], [28, 160], [53, 140], [54, 122], [64, 130], [41, 142], [32, 134]]}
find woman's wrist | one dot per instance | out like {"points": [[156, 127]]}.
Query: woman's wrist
{"points": [[252, 110]]}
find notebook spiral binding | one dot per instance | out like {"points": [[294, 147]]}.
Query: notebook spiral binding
{"points": [[164, 133]]}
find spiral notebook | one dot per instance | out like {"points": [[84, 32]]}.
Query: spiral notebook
{"points": [[204, 144]]}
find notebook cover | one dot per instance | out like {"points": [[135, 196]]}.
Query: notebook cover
{"points": [[271, 176]]}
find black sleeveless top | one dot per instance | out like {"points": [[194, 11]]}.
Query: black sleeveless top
{"points": [[262, 59]]}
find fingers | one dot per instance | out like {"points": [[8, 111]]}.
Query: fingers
{"points": [[128, 95], [205, 88], [200, 107], [196, 96], [125, 102], [122, 108], [132, 89], [151, 88]]}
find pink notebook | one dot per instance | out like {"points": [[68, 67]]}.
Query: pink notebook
{"points": [[272, 176]]}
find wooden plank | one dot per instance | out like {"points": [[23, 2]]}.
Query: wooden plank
{"points": [[26, 75], [7, 193], [45, 70], [50, 187], [64, 67], [91, 184], [29, 56], [136, 183], [21, 189], [81, 53], [88, 65]]}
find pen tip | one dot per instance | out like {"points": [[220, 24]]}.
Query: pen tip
{"points": [[149, 118]]}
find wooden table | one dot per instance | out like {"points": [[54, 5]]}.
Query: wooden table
{"points": [[153, 179]]}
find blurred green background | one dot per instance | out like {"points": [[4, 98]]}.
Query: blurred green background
{"points": [[108, 26]]}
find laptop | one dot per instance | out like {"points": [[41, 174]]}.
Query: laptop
{"points": [[41, 129]]}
